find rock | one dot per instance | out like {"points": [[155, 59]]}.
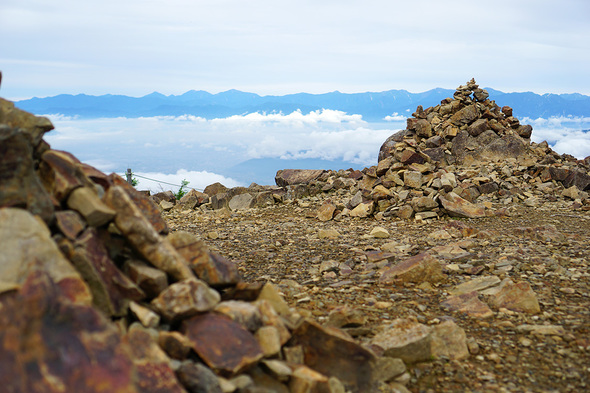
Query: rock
{"points": [[304, 379], [27, 247], [61, 174], [477, 284], [244, 313], [143, 237], [151, 281], [85, 201], [288, 177], [449, 341], [193, 199], [405, 339], [331, 353], [70, 223], [328, 234], [387, 368], [210, 267], [185, 299], [516, 297], [416, 269], [459, 207], [269, 340], [380, 233], [197, 378], [413, 179], [241, 202], [175, 344], [270, 294], [223, 344], [421, 204], [469, 304], [154, 373], [67, 336], [572, 193], [147, 317], [363, 210], [19, 185], [166, 205], [326, 212], [477, 127], [111, 289], [405, 212], [34, 127], [214, 189], [542, 330]]}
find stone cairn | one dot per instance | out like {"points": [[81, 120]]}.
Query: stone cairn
{"points": [[456, 159], [97, 296]]}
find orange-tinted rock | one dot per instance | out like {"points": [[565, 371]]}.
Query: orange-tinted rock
{"points": [[70, 223], [143, 202], [19, 184], [459, 207], [212, 268], [61, 174], [111, 289], [419, 268], [143, 237], [154, 374], [330, 352], [50, 345], [223, 344]]}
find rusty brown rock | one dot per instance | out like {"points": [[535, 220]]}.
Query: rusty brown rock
{"points": [[111, 289], [223, 344], [61, 174], [210, 267], [70, 223], [151, 280], [143, 237], [19, 184], [154, 374], [33, 126], [330, 352], [43, 337], [175, 344], [419, 268]]}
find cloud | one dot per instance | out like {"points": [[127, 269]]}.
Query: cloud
{"points": [[569, 135], [395, 117]]}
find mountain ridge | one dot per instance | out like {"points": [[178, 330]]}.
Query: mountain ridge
{"points": [[373, 106]]}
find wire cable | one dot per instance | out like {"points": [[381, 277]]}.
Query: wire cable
{"points": [[163, 182]]}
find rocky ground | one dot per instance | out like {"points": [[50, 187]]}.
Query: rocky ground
{"points": [[329, 274]]}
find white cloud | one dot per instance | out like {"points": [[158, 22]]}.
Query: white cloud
{"points": [[395, 117], [569, 135], [156, 182]]}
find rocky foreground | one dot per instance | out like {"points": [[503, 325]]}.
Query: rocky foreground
{"points": [[458, 263]]}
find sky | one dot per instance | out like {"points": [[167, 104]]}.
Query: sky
{"points": [[135, 47]]}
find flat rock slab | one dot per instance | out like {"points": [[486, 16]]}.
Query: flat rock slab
{"points": [[419, 268], [459, 207], [477, 284], [288, 177], [469, 304], [330, 352], [516, 297], [223, 344]]}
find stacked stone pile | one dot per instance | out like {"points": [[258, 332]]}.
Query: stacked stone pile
{"points": [[96, 295]]}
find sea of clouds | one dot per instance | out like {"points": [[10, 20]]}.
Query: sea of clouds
{"points": [[169, 149]]}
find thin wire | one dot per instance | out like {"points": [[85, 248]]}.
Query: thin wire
{"points": [[163, 182]]}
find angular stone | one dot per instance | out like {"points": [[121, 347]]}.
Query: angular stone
{"points": [[194, 199], [449, 341], [85, 201], [111, 289], [269, 340], [175, 344], [305, 380], [210, 267], [34, 127], [326, 211], [154, 374], [19, 184], [165, 205], [61, 174], [525, 131], [544, 233], [380, 233], [379, 193], [423, 129], [577, 178], [27, 246], [469, 304], [516, 297], [244, 313], [542, 330], [223, 344], [197, 378], [70, 223], [241, 202], [384, 165], [405, 212], [477, 284], [424, 203], [270, 317], [329, 352], [416, 269], [346, 316], [144, 315], [328, 234], [405, 339], [363, 210], [459, 207], [151, 280], [271, 294], [409, 156], [143, 237], [464, 116], [214, 189], [413, 179], [477, 127], [288, 177], [388, 368], [143, 202], [42, 330], [185, 298]]}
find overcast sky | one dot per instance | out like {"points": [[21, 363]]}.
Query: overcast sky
{"points": [[135, 47]]}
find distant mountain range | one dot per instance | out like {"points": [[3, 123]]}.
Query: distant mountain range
{"points": [[373, 106]]}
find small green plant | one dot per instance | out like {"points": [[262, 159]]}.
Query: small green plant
{"points": [[182, 189], [134, 182]]}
